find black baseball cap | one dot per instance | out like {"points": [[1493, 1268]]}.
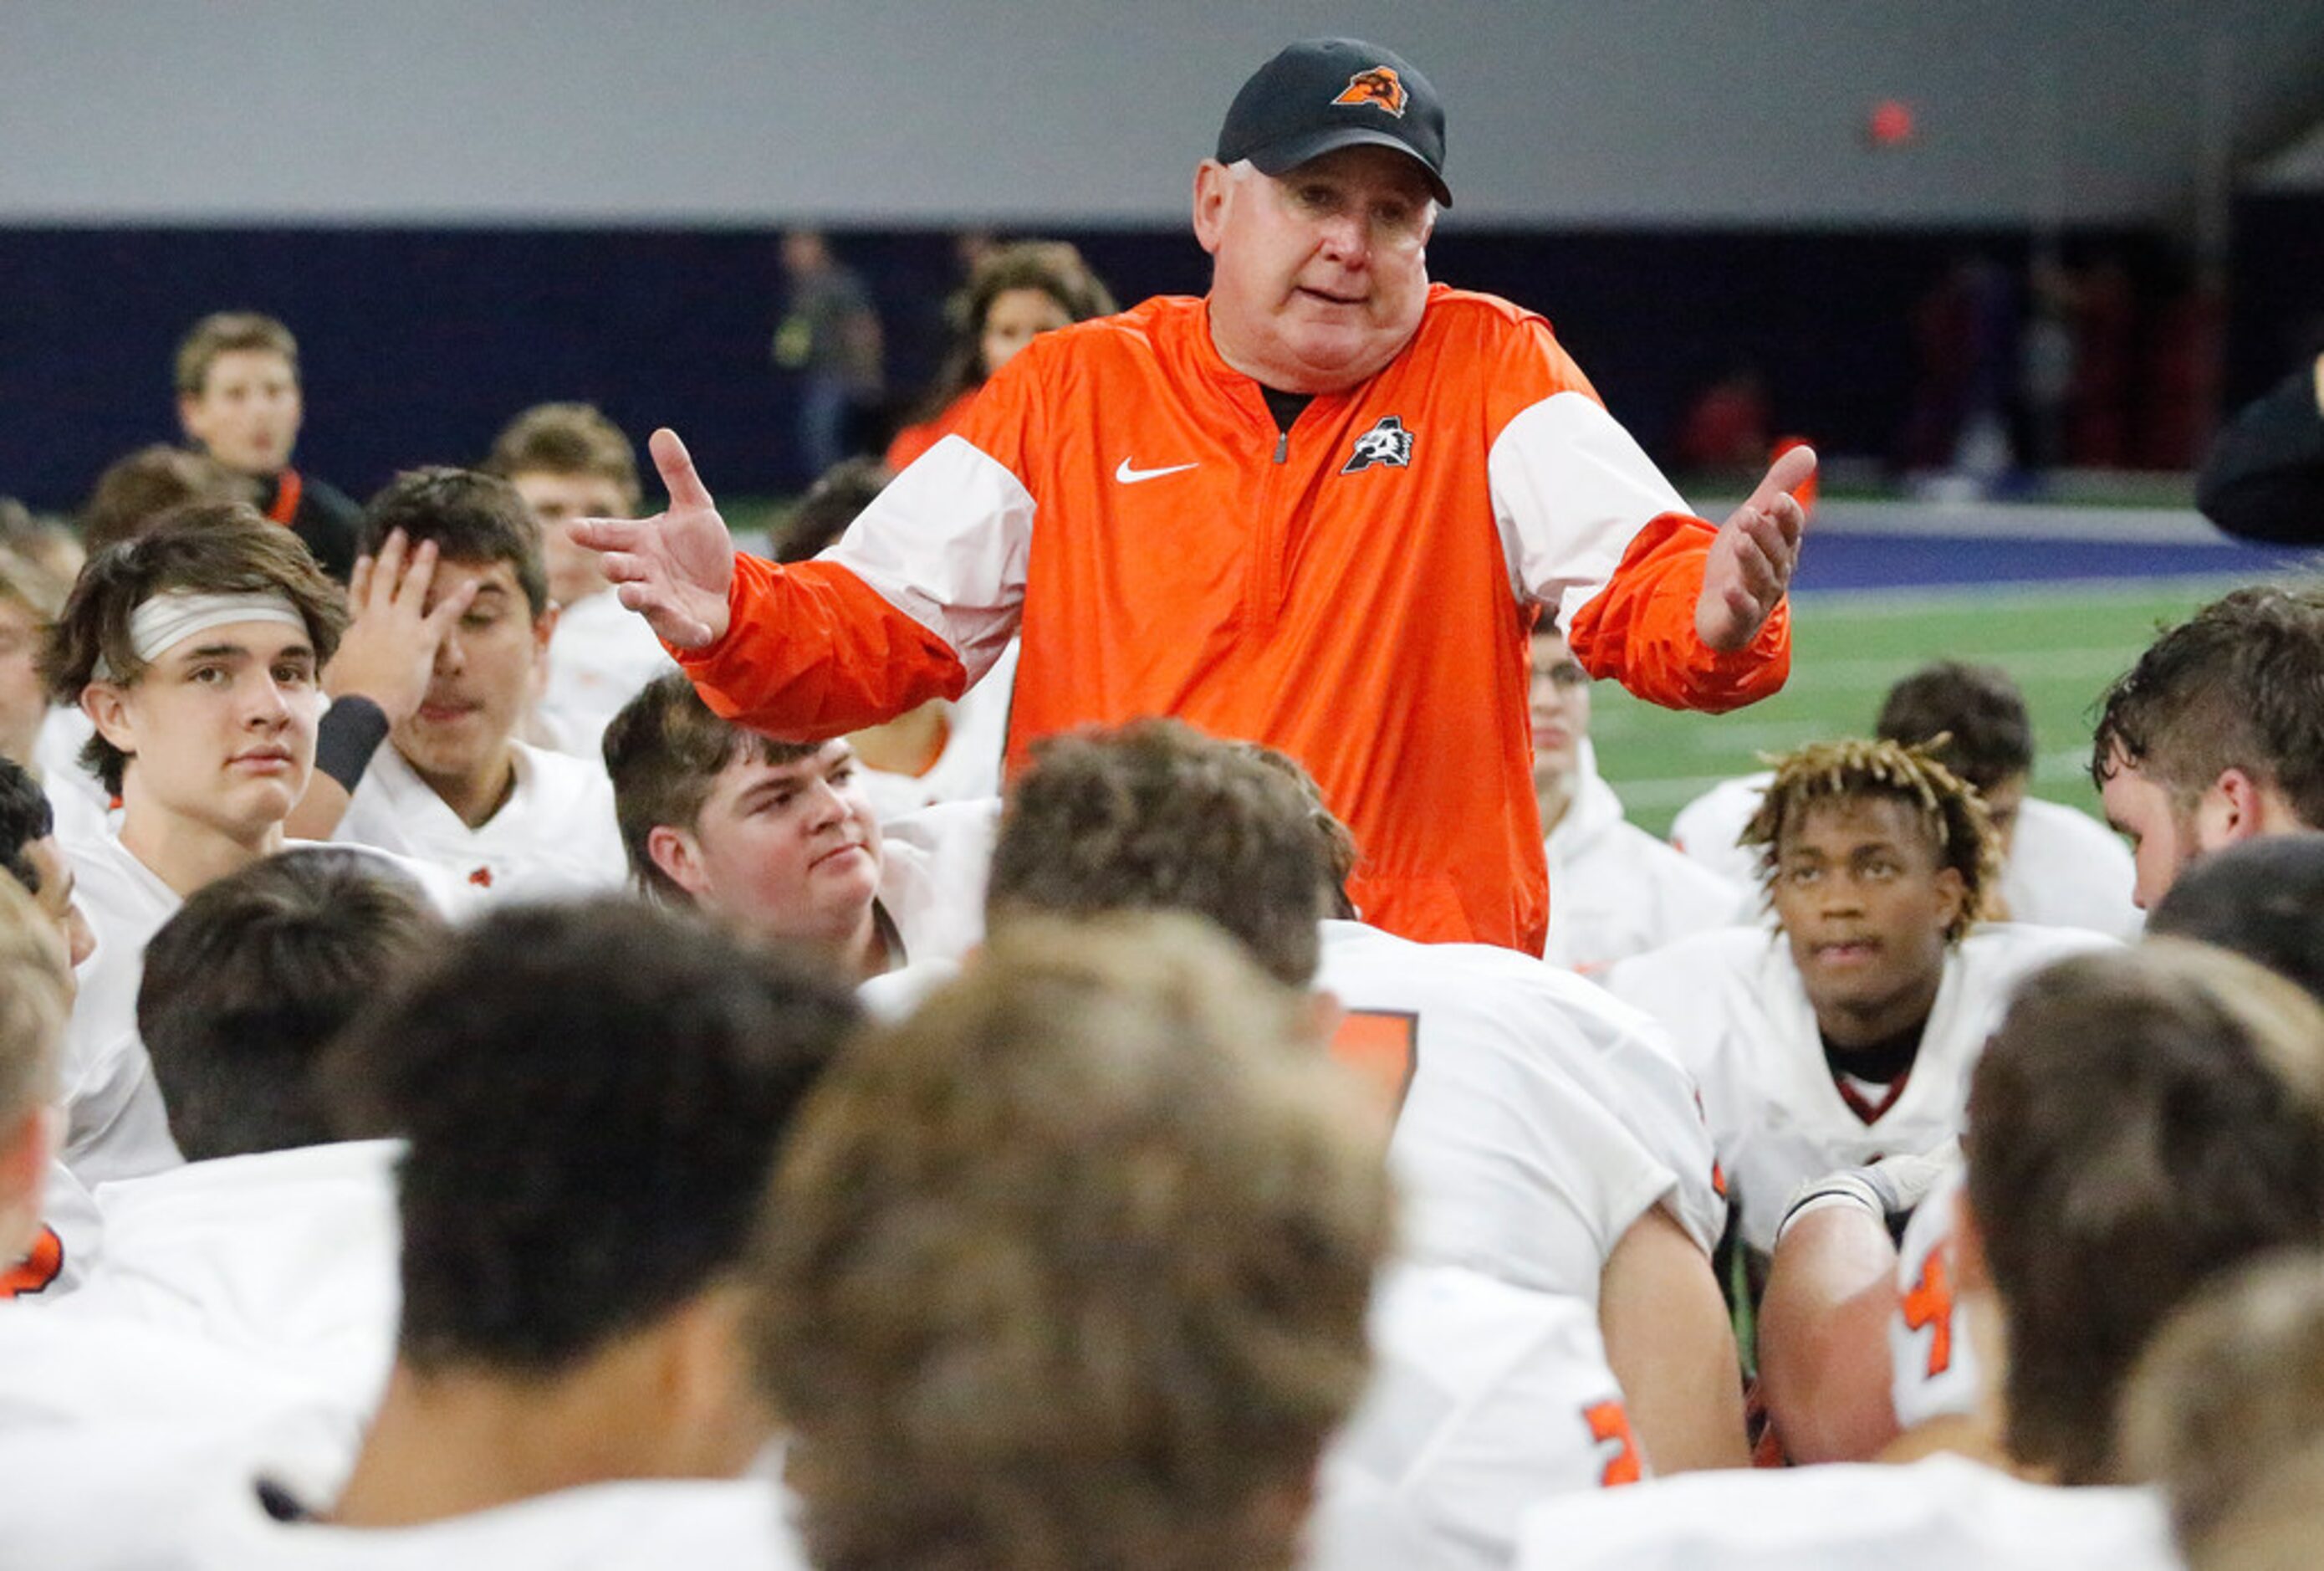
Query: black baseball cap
{"points": [[1327, 93]]}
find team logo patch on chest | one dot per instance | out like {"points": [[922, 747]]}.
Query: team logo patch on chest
{"points": [[1386, 443]]}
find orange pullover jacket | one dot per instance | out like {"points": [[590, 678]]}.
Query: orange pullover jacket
{"points": [[1357, 591]]}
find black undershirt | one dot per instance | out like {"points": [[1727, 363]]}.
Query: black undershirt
{"points": [[1883, 1062], [1284, 406]]}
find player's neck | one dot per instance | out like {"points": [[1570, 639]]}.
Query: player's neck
{"points": [[476, 795], [190, 854], [1877, 1022], [1555, 797], [445, 1446]]}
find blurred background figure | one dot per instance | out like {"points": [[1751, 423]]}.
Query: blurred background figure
{"points": [[830, 339], [1014, 293]]}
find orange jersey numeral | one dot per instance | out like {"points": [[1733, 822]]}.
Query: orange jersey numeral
{"points": [[1931, 1303], [1608, 1421], [42, 1265], [1383, 1046]]}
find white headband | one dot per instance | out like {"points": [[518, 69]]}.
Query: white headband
{"points": [[174, 615]]}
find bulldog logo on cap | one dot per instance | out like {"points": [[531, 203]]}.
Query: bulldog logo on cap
{"points": [[1379, 86]]}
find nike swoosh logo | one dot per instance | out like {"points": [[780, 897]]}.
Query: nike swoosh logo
{"points": [[1129, 476]]}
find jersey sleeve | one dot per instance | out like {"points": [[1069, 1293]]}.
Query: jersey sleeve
{"points": [[916, 600], [1595, 533]]}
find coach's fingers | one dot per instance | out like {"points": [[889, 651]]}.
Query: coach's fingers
{"points": [[1792, 468], [677, 466], [605, 535], [669, 623]]}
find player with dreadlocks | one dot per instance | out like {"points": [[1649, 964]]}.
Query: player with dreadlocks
{"points": [[1847, 1033]]}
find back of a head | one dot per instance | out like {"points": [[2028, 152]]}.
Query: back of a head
{"points": [[2261, 898], [2239, 685], [2231, 1390], [833, 502], [35, 998], [473, 517], [1070, 1267], [1155, 816], [1978, 709], [250, 980], [2143, 1122], [149, 483], [25, 816], [566, 439], [593, 1094]]}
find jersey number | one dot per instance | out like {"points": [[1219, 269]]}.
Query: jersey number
{"points": [[1608, 1421], [1383, 1046], [40, 1266], [1931, 1303]]}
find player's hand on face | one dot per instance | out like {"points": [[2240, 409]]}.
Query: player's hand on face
{"points": [[675, 567], [389, 650], [1752, 560]]}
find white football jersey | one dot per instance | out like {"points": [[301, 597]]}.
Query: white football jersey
{"points": [[934, 865], [1614, 891], [2064, 869], [969, 767], [1484, 1398], [56, 757], [1934, 1370], [289, 1258], [1739, 1018], [1538, 1116], [115, 1126], [600, 656], [554, 837], [1943, 1514], [113, 1499]]}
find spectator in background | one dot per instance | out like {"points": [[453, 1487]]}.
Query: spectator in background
{"points": [[136, 489], [946, 750], [830, 336], [2264, 477], [45, 542], [1015, 293], [568, 461], [238, 401]]}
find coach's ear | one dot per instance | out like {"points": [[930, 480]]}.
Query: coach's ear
{"points": [[1213, 185]]}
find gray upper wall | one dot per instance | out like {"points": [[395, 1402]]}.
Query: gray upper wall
{"points": [[751, 112]]}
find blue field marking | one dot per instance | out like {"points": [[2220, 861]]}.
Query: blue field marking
{"points": [[1833, 560]]}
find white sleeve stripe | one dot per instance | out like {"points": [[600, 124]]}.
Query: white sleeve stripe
{"points": [[946, 544], [1569, 489]]}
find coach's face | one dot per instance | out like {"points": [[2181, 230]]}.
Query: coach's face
{"points": [[1318, 275]]}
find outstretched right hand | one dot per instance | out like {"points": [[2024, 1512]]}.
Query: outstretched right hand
{"points": [[673, 569]]}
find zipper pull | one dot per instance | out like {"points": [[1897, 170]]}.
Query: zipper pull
{"points": [[1282, 446]]}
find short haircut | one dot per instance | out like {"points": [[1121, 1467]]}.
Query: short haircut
{"points": [[249, 981], [149, 483], [2143, 1121], [35, 999], [2229, 1391], [665, 750], [1971, 718], [2262, 898], [592, 1094], [2236, 685], [209, 547], [1070, 1267], [473, 518], [224, 332], [25, 816], [1155, 816], [838, 496], [566, 439], [1949, 812]]}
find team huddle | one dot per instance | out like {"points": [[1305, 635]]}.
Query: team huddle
{"points": [[1098, 1010]]}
